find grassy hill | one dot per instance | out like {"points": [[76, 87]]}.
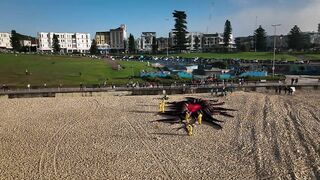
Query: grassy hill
{"points": [[65, 70]]}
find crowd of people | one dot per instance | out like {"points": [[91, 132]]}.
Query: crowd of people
{"points": [[285, 89]]}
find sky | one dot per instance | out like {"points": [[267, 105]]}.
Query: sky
{"points": [[207, 16]]}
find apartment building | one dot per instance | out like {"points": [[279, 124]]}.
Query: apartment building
{"points": [[5, 40], [113, 40], [69, 42], [314, 38], [192, 38], [118, 38], [281, 42], [147, 41], [26, 43], [212, 42], [163, 44], [103, 41]]}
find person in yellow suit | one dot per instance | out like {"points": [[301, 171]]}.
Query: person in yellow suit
{"points": [[200, 118], [162, 106], [188, 117], [190, 129]]}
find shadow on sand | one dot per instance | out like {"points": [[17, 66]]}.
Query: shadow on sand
{"points": [[147, 112], [169, 134]]}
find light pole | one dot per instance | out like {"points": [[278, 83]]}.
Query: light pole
{"points": [[255, 35], [167, 19], [274, 47], [30, 44]]}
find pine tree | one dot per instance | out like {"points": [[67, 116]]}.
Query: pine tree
{"points": [[180, 30], [154, 45], [261, 39], [227, 33], [196, 43], [55, 44], [295, 38], [15, 41], [94, 48], [132, 44]]}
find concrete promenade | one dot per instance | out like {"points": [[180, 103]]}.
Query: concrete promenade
{"points": [[178, 89]]}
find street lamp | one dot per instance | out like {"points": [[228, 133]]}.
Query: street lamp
{"points": [[167, 19], [274, 47]]}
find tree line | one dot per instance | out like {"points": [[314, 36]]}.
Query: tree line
{"points": [[180, 39], [296, 39]]}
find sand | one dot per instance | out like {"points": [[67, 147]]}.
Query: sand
{"points": [[112, 137]]}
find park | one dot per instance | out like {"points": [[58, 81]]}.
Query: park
{"points": [[72, 70]]}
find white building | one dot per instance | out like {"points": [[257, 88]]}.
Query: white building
{"points": [[138, 44], [314, 38], [69, 42], [192, 36], [214, 41], [118, 38], [5, 40], [147, 41], [191, 40], [26, 43]]}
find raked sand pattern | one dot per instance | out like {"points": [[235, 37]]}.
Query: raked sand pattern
{"points": [[112, 137]]}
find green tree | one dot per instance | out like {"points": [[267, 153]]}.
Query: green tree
{"points": [[94, 48], [132, 44], [180, 30], [261, 39], [196, 43], [306, 41], [55, 44], [15, 41], [227, 33], [295, 38], [242, 46], [154, 45]]}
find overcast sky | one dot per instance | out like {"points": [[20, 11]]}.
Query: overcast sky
{"points": [[31, 16]]}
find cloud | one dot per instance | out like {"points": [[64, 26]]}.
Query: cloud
{"points": [[306, 16]]}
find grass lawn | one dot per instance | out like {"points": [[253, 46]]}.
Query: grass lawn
{"points": [[240, 55], [312, 56], [65, 70]]}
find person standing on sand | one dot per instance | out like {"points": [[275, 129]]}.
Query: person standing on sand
{"points": [[279, 89], [292, 81], [224, 92], [285, 90]]}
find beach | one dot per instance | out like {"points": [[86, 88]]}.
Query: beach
{"points": [[114, 137]]}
